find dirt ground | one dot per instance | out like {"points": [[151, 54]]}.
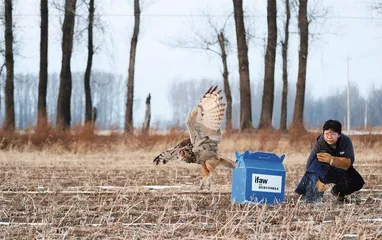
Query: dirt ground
{"points": [[114, 195]]}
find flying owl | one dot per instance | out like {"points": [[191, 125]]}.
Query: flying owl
{"points": [[201, 147]]}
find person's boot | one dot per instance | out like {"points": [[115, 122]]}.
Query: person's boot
{"points": [[340, 197], [353, 199]]}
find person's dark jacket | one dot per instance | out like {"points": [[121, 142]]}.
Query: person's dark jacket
{"points": [[344, 148]]}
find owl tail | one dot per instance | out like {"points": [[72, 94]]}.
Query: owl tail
{"points": [[226, 162]]}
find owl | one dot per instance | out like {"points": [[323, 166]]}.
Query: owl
{"points": [[203, 123]]}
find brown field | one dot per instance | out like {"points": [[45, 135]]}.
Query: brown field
{"points": [[82, 186]]}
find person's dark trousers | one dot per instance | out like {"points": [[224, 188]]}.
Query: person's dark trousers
{"points": [[308, 188], [346, 182]]}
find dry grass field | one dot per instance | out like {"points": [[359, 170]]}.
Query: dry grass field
{"points": [[83, 186]]}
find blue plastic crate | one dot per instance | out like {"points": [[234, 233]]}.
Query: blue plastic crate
{"points": [[259, 177]]}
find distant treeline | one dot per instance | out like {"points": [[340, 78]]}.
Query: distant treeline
{"points": [[109, 96], [316, 110]]}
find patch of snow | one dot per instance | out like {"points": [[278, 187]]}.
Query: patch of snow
{"points": [[109, 187], [350, 235], [370, 190], [94, 225], [24, 223], [372, 219], [368, 164], [161, 187], [358, 132], [353, 132]]}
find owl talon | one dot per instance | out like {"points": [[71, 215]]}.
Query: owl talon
{"points": [[210, 179], [156, 160], [208, 184], [204, 183]]}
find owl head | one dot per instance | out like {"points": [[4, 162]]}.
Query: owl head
{"points": [[185, 155]]}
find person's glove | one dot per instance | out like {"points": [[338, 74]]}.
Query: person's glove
{"points": [[324, 157], [338, 162]]}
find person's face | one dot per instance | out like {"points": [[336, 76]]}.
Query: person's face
{"points": [[331, 136]]}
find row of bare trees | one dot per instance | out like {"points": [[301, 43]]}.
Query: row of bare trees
{"points": [[63, 118], [204, 42], [269, 67], [365, 110], [63, 102], [109, 95]]}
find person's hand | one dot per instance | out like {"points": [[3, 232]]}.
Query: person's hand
{"points": [[324, 157], [321, 187]]}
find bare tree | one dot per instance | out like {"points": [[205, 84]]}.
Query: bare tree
{"points": [[9, 123], [242, 51], [88, 98], [216, 42], [129, 128], [65, 92], [303, 24], [87, 26], [284, 44], [43, 81], [269, 72], [146, 123], [227, 89]]}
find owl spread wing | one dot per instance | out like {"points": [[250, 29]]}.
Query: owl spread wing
{"points": [[205, 120], [171, 153]]}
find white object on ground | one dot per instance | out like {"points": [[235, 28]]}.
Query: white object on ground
{"points": [[350, 235], [161, 187]]}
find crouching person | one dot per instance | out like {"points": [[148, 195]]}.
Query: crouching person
{"points": [[331, 161]]}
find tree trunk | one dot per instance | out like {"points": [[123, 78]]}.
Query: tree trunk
{"points": [[130, 81], [227, 89], [88, 96], [146, 123], [242, 52], [9, 124], [269, 71], [94, 119], [1, 103], [284, 97], [298, 115], [65, 92], [43, 83]]}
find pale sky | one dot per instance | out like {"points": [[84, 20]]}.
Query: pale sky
{"points": [[350, 30]]}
